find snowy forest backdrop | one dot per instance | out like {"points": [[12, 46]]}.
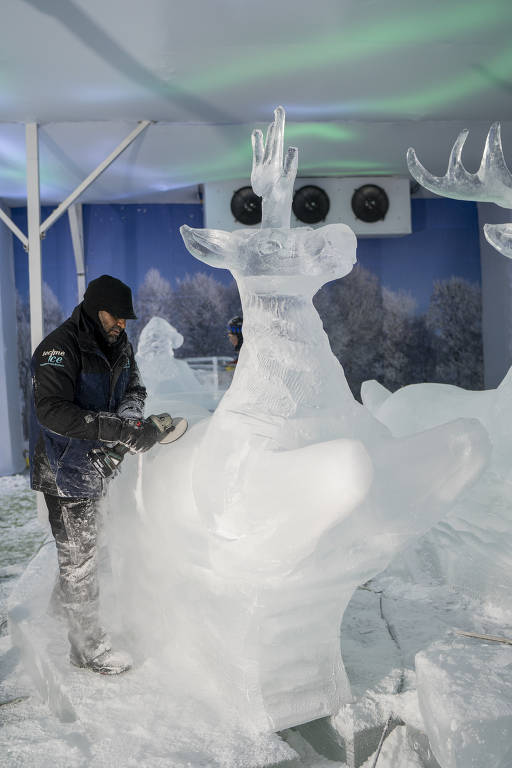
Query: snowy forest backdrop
{"points": [[409, 311], [374, 332]]}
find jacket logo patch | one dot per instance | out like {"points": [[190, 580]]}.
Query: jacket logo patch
{"points": [[55, 357]]}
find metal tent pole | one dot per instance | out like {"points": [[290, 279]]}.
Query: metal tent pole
{"points": [[77, 238], [11, 445], [34, 238]]}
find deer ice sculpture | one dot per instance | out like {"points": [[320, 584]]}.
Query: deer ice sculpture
{"points": [[420, 406], [492, 183], [291, 494]]}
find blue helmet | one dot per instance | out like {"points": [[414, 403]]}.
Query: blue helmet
{"points": [[235, 325]]}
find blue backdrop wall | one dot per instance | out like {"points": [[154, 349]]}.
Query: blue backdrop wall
{"points": [[444, 243], [120, 240], [127, 240]]}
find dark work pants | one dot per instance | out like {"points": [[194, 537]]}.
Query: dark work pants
{"points": [[74, 527]]}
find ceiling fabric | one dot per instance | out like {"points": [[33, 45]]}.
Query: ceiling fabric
{"points": [[361, 81]]}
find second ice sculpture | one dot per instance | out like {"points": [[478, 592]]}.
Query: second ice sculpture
{"points": [[492, 183], [161, 371], [267, 516]]}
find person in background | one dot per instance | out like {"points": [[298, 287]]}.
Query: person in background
{"points": [[235, 336], [87, 393]]}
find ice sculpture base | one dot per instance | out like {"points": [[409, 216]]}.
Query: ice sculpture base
{"points": [[465, 696]]}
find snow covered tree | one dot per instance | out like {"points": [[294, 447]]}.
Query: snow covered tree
{"points": [[201, 307], [397, 329], [352, 313], [52, 310], [374, 332], [454, 318], [154, 299], [419, 351], [233, 306]]}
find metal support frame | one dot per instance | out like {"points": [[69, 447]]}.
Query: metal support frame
{"points": [[77, 238], [36, 230], [14, 229], [70, 199]]}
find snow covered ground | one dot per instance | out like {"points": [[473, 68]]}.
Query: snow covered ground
{"points": [[20, 534], [466, 684]]}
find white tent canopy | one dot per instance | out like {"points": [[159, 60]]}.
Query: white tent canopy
{"points": [[361, 80]]}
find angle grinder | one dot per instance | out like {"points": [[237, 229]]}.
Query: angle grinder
{"points": [[106, 460]]}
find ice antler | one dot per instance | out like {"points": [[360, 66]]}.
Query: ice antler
{"points": [[492, 183], [269, 178]]}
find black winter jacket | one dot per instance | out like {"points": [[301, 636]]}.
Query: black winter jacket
{"points": [[72, 381]]}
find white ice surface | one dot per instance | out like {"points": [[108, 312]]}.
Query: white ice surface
{"points": [[464, 561], [252, 532], [465, 696], [291, 494], [470, 549]]}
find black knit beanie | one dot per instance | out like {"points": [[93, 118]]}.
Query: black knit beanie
{"points": [[110, 294]]}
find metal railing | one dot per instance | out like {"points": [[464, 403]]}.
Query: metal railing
{"points": [[211, 372]]}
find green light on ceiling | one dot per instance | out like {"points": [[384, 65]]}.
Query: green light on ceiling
{"points": [[11, 174], [237, 160], [449, 91], [353, 165], [354, 43], [321, 131]]}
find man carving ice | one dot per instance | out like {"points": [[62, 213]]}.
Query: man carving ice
{"points": [[87, 410]]}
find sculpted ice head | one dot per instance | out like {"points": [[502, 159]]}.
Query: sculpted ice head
{"points": [[276, 251], [317, 254]]}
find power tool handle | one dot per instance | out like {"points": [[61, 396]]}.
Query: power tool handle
{"points": [[120, 448]]}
